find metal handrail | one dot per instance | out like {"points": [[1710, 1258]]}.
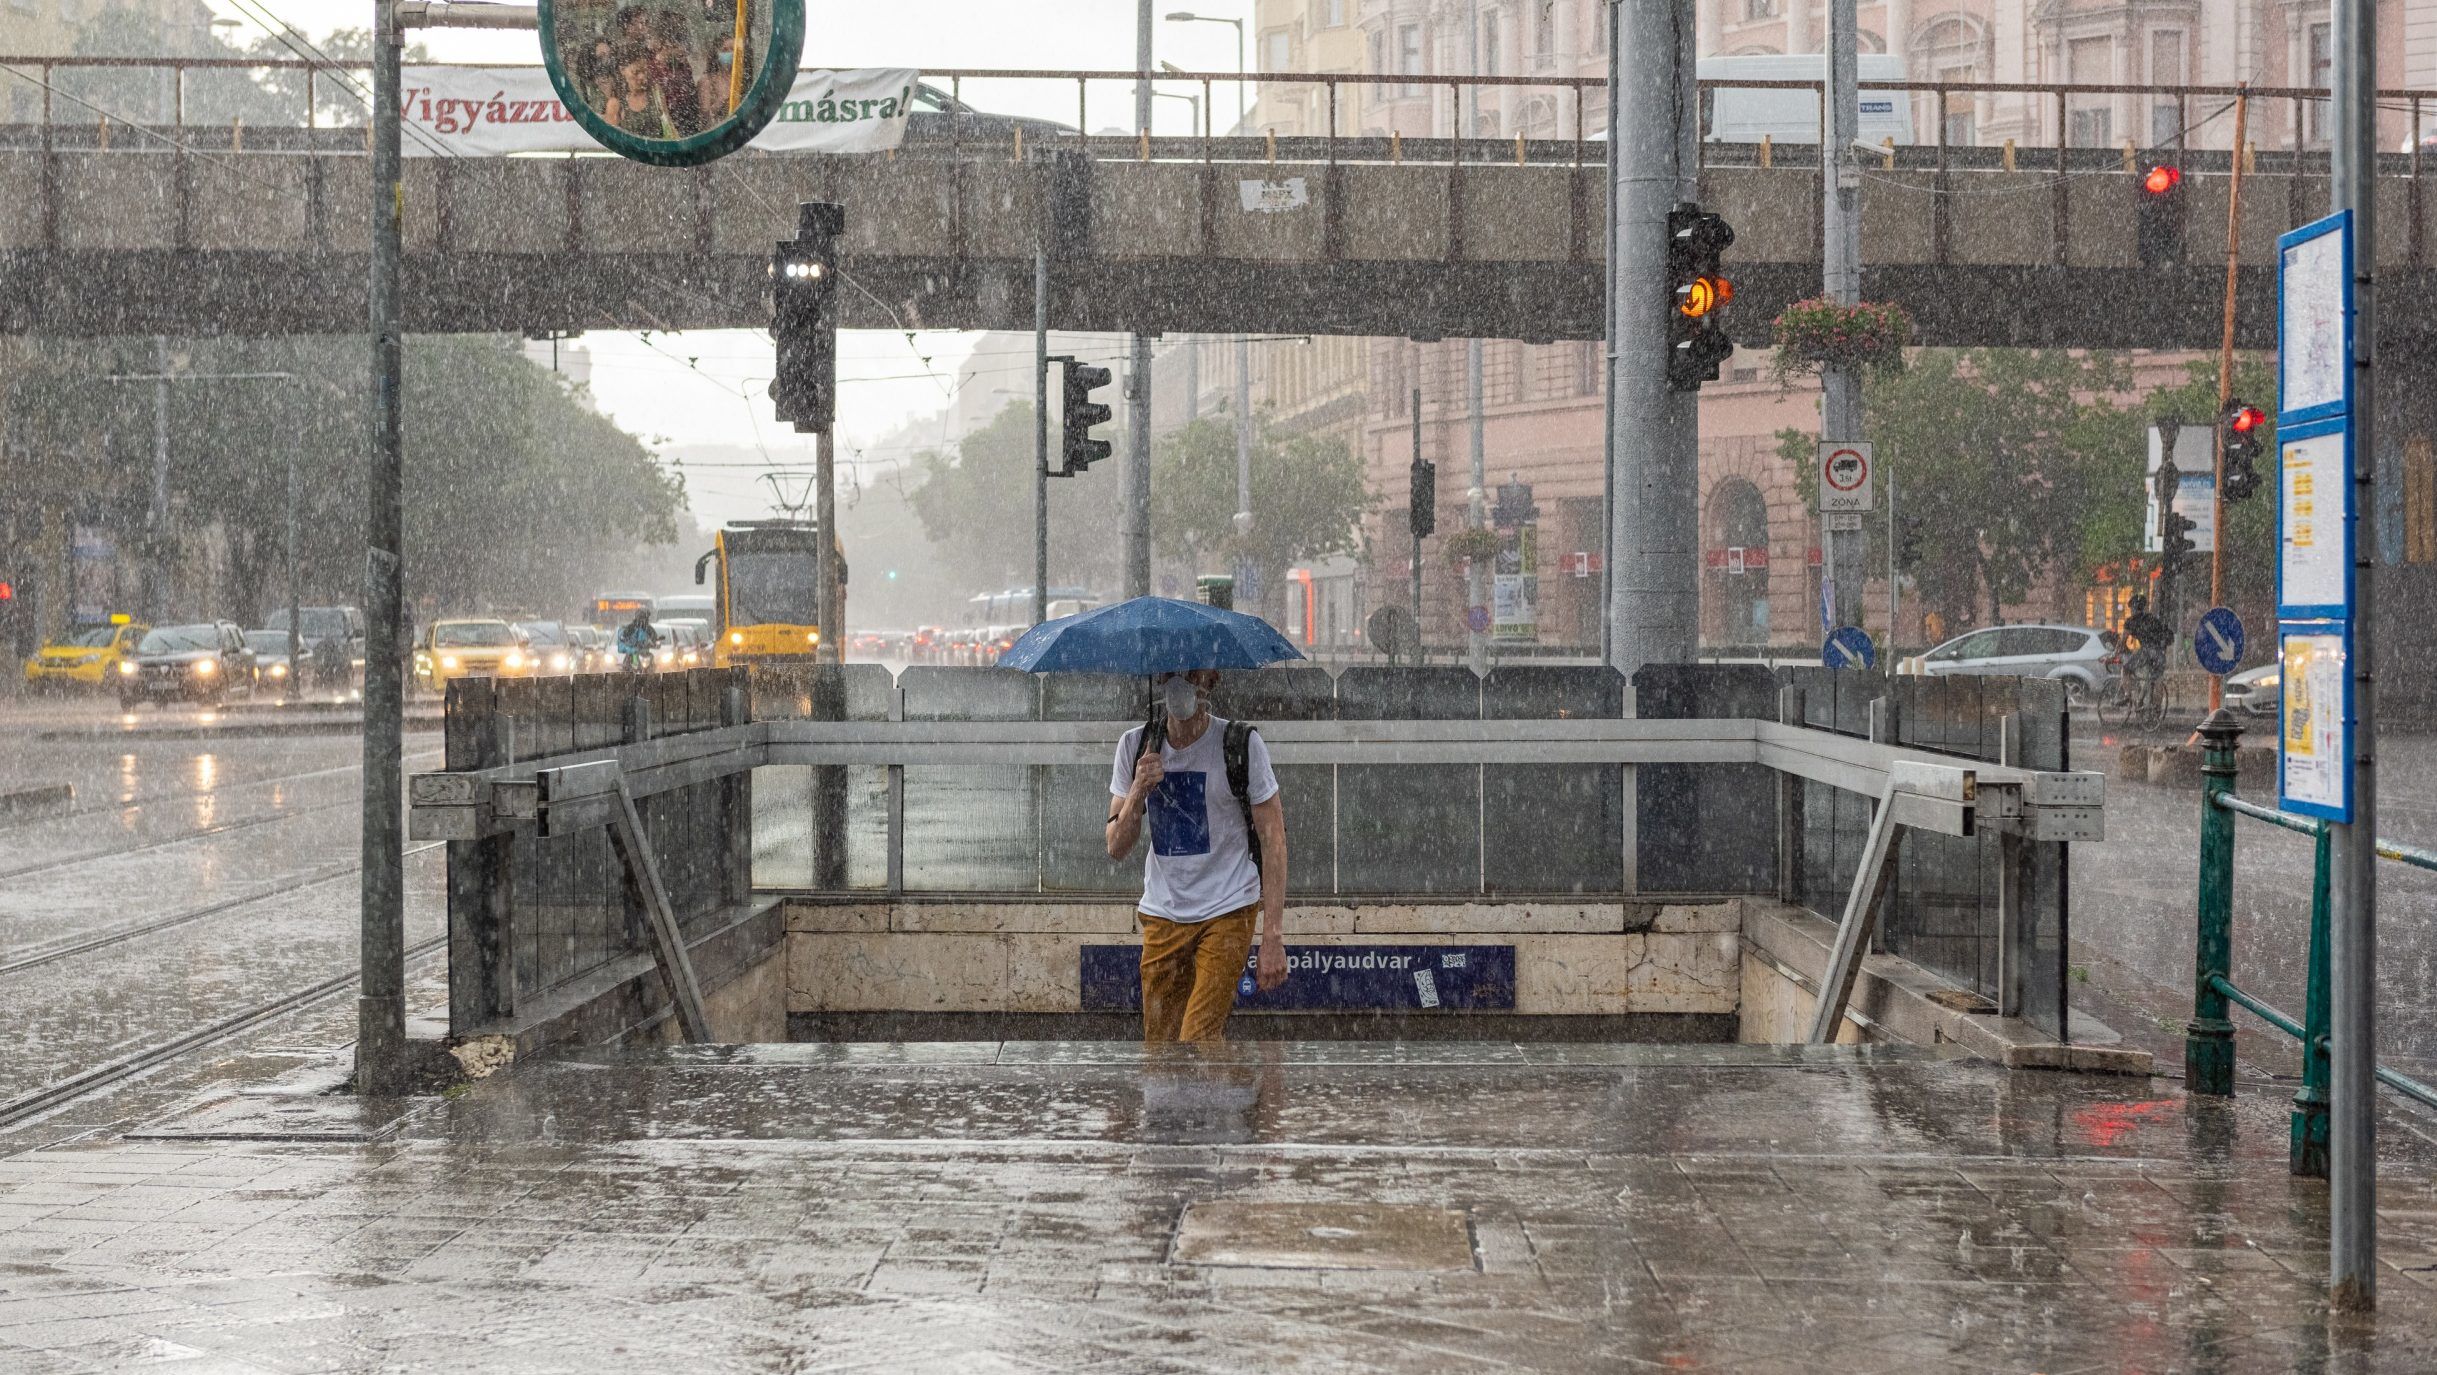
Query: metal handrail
{"points": [[2208, 1061]]}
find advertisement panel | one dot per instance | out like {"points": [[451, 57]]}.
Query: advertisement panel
{"points": [[494, 111]]}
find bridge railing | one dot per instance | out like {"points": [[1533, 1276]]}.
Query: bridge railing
{"points": [[2208, 1056], [1332, 117]]}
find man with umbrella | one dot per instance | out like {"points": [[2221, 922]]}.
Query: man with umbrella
{"points": [[1218, 857], [1206, 791]]}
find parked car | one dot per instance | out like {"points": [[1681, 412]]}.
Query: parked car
{"points": [[271, 655], [2258, 691], [2075, 655], [316, 623], [473, 647], [205, 662], [87, 656], [591, 647], [939, 117]]}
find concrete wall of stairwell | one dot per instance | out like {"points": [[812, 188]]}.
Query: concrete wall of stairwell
{"points": [[1573, 958]]}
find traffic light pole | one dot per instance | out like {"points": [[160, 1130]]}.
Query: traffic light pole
{"points": [[1040, 444], [2225, 365], [380, 1007], [1840, 412], [1413, 524], [2352, 1116], [1138, 371], [1653, 522]]}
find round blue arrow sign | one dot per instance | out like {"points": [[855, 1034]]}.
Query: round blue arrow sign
{"points": [[2217, 644], [1848, 647]]}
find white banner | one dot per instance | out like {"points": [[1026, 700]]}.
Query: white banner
{"points": [[490, 111]]}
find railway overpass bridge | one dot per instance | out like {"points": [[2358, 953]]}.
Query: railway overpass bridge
{"points": [[266, 229]]}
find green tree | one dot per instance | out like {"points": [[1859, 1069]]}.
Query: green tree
{"points": [[2002, 459], [976, 507], [1307, 500]]}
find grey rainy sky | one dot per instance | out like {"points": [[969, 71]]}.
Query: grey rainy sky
{"points": [[718, 399]]}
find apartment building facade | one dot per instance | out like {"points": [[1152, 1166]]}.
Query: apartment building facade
{"points": [[1543, 411]]}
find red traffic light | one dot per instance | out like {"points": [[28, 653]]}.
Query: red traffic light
{"points": [[8, 591], [2246, 419], [2162, 180]]}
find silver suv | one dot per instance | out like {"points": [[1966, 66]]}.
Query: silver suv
{"points": [[2075, 655]]}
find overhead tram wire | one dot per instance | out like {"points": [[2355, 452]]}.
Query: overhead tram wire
{"points": [[141, 128], [289, 36]]}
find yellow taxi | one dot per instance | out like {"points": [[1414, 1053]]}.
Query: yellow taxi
{"points": [[470, 648], [84, 656]]}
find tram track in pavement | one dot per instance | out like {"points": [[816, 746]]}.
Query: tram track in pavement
{"points": [[198, 833], [60, 1093], [32, 957]]}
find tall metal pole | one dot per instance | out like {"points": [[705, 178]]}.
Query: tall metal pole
{"points": [[825, 519], [1476, 496], [1138, 396], [380, 1050], [1243, 463], [2225, 366], [1841, 280], [1417, 539], [156, 599], [1653, 521], [2352, 1154], [1895, 588], [296, 664], [1040, 444]]}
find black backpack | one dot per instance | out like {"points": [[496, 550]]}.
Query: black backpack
{"points": [[1235, 745]]}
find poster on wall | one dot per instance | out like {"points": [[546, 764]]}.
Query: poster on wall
{"points": [[496, 111], [1514, 603]]}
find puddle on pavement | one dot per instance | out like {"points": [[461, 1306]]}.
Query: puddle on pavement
{"points": [[1324, 1236]]}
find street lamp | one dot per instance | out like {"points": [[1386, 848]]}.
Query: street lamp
{"points": [[1189, 17], [1191, 100]]}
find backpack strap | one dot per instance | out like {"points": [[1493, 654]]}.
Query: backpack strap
{"points": [[1237, 746]]}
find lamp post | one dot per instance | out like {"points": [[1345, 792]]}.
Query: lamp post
{"points": [[1242, 107], [1192, 100]]}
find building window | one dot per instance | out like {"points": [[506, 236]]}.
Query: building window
{"points": [[1544, 29], [1277, 51], [1332, 14], [2165, 70], [1408, 54], [2322, 76], [1760, 9], [1493, 60]]}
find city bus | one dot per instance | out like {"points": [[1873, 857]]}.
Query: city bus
{"points": [[613, 609], [767, 597]]}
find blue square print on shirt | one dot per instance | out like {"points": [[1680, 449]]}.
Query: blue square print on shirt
{"points": [[1180, 815]]}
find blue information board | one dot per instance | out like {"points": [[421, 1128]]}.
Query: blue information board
{"points": [[1334, 978], [2218, 642], [2316, 525]]}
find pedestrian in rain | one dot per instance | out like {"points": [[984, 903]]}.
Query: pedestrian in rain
{"points": [[1217, 858]]}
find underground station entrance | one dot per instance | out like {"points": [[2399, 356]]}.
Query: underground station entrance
{"points": [[1537, 857]]}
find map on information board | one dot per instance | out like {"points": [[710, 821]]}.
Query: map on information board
{"points": [[2315, 357], [2315, 768], [2313, 519]]}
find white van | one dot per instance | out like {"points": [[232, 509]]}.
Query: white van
{"points": [[1746, 115]]}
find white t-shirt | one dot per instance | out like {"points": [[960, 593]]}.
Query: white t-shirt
{"points": [[1199, 862]]}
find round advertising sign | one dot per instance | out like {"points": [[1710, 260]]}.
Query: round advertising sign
{"points": [[674, 83]]}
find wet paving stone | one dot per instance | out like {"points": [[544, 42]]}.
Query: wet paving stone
{"points": [[986, 1208]]}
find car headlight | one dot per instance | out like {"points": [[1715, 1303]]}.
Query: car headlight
{"points": [[813, 638], [279, 670], [126, 668], [513, 660], [205, 668], [448, 661], [558, 663], [736, 637]]}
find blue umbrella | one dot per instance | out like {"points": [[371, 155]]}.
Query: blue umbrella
{"points": [[1148, 635]]}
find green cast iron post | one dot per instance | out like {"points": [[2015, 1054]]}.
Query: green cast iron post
{"points": [[2309, 1156], [2208, 1041]]}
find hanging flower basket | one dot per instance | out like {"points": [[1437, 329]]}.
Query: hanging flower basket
{"points": [[1815, 334]]}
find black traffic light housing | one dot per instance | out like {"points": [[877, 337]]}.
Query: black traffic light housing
{"points": [[1698, 291], [1907, 542], [2239, 426], [1079, 450], [804, 318], [2179, 529], [1423, 507], [2160, 191]]}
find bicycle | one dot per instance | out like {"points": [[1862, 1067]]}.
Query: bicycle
{"points": [[2135, 694]]}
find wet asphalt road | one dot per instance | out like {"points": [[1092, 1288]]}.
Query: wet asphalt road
{"points": [[193, 880]]}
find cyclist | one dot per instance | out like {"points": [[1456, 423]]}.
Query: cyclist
{"points": [[2150, 635], [636, 641]]}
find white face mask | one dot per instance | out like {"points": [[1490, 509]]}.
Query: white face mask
{"points": [[1181, 699]]}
